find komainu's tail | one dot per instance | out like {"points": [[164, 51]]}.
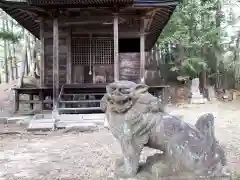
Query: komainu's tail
{"points": [[205, 124]]}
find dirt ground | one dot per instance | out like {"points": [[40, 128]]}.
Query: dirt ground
{"points": [[92, 155]]}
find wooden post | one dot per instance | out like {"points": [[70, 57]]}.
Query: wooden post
{"points": [[116, 55], [69, 59], [41, 98], [31, 99], [16, 101], [55, 63], [42, 68], [142, 51], [41, 52]]}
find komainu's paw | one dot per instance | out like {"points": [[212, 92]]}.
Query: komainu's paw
{"points": [[119, 162], [122, 171]]}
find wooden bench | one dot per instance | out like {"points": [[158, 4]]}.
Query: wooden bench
{"points": [[40, 92]]}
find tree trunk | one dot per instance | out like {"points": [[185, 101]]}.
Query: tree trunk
{"points": [[23, 62], [9, 56], [217, 43], [203, 74], [180, 52], [15, 62], [35, 63], [33, 58], [10, 62], [28, 55], [5, 55], [14, 56], [236, 57]]}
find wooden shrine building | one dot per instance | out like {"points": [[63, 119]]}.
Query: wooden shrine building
{"points": [[86, 44]]}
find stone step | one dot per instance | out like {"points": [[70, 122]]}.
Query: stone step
{"points": [[46, 122], [64, 124], [78, 117], [97, 121], [80, 101], [43, 116], [65, 119], [81, 127], [82, 94], [41, 125], [49, 120], [13, 120]]}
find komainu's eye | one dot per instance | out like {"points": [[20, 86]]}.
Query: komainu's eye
{"points": [[125, 90], [110, 89]]}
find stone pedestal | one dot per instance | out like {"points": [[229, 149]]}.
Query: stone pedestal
{"points": [[197, 97], [106, 125], [158, 167], [211, 93], [155, 167]]}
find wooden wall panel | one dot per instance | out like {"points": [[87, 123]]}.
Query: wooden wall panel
{"points": [[77, 74], [153, 74], [129, 66]]}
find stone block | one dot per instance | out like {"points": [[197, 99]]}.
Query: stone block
{"points": [[14, 120], [41, 125], [81, 127]]}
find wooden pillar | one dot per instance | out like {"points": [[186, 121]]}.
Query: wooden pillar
{"points": [[41, 52], [41, 98], [42, 68], [55, 62], [142, 51], [69, 59], [31, 99], [116, 53], [16, 101]]}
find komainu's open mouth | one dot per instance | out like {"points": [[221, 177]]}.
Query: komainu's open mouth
{"points": [[119, 100], [120, 104]]}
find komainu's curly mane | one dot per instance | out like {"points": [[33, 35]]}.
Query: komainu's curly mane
{"points": [[136, 122]]}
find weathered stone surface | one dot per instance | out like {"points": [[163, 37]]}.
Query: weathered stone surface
{"points": [[158, 167], [13, 120], [106, 125], [211, 93], [3, 120], [41, 125], [197, 97], [81, 127], [64, 124], [64, 119], [23, 122], [77, 117], [136, 119]]}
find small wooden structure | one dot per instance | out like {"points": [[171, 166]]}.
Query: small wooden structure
{"points": [[86, 44]]}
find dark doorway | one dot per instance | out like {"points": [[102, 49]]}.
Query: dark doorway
{"points": [[88, 78], [129, 45]]}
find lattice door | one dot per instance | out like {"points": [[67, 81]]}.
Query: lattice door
{"points": [[86, 51]]}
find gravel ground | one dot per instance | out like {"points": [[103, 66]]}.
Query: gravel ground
{"points": [[92, 155]]}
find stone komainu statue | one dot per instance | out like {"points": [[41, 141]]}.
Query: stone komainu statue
{"points": [[137, 119]]}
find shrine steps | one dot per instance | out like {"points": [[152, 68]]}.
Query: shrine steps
{"points": [[79, 101]]}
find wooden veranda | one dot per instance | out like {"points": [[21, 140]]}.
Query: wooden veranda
{"points": [[87, 44]]}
